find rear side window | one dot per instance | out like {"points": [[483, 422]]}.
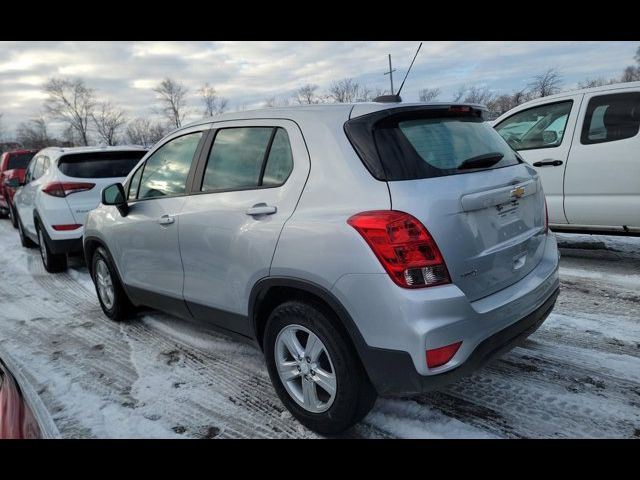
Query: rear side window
{"points": [[248, 157], [536, 127], [99, 164], [20, 160], [38, 169], [280, 160], [611, 117]]}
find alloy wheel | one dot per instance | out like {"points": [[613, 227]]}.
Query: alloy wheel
{"points": [[104, 283], [43, 249], [306, 372]]}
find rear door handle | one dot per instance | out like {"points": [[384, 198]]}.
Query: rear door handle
{"points": [[166, 220], [548, 163], [261, 209]]}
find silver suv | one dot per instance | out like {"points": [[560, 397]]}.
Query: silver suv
{"points": [[367, 249]]}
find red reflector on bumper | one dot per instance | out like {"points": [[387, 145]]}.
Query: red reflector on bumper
{"points": [[73, 226], [440, 356]]}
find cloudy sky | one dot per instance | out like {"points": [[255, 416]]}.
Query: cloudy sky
{"points": [[249, 72]]}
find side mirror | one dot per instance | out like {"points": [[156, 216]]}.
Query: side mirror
{"points": [[13, 182], [114, 195], [549, 137]]}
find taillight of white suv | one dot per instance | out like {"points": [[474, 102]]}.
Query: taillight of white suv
{"points": [[404, 246], [63, 189]]}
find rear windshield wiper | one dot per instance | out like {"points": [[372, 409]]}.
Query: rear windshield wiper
{"points": [[481, 161]]}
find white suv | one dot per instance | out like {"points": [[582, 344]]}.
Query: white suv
{"points": [[61, 186]]}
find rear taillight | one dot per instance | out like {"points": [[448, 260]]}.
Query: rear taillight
{"points": [[62, 189], [440, 356], [404, 247]]}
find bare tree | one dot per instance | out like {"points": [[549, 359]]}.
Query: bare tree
{"points": [[428, 94], [108, 121], [172, 95], [142, 131], [214, 105], [72, 102], [346, 90], [365, 94], [480, 95], [307, 94], [274, 101], [520, 96], [34, 134], [592, 82], [547, 83], [503, 103], [459, 93], [630, 74]]}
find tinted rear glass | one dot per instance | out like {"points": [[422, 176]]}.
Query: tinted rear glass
{"points": [[19, 160], [99, 164], [429, 143]]}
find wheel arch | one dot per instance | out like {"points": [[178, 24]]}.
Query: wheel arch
{"points": [[89, 245], [270, 292]]}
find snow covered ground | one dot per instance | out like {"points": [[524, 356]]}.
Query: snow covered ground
{"points": [[577, 376]]}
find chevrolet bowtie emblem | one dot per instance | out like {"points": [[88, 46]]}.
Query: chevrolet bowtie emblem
{"points": [[517, 192]]}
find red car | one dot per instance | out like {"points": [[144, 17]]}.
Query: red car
{"points": [[16, 418], [13, 166]]}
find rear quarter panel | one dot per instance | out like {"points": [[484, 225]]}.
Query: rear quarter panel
{"points": [[316, 243]]}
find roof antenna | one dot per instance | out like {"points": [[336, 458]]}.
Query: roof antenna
{"points": [[395, 98]]}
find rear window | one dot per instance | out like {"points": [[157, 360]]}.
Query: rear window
{"points": [[430, 143], [99, 164], [19, 160]]}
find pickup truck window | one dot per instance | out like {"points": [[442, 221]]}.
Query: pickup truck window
{"points": [[537, 127], [611, 117]]}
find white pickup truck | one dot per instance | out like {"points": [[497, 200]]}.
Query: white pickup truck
{"points": [[586, 147]]}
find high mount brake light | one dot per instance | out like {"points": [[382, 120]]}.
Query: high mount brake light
{"points": [[62, 189], [403, 245]]}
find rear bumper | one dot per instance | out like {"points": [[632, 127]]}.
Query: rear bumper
{"points": [[65, 243], [66, 246], [392, 371], [398, 325]]}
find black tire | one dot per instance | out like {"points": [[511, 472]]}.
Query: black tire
{"points": [[122, 308], [24, 240], [12, 216], [53, 262], [354, 397]]}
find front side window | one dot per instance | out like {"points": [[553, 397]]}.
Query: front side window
{"points": [[237, 159], [166, 171], [30, 169], [537, 127], [611, 117]]}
